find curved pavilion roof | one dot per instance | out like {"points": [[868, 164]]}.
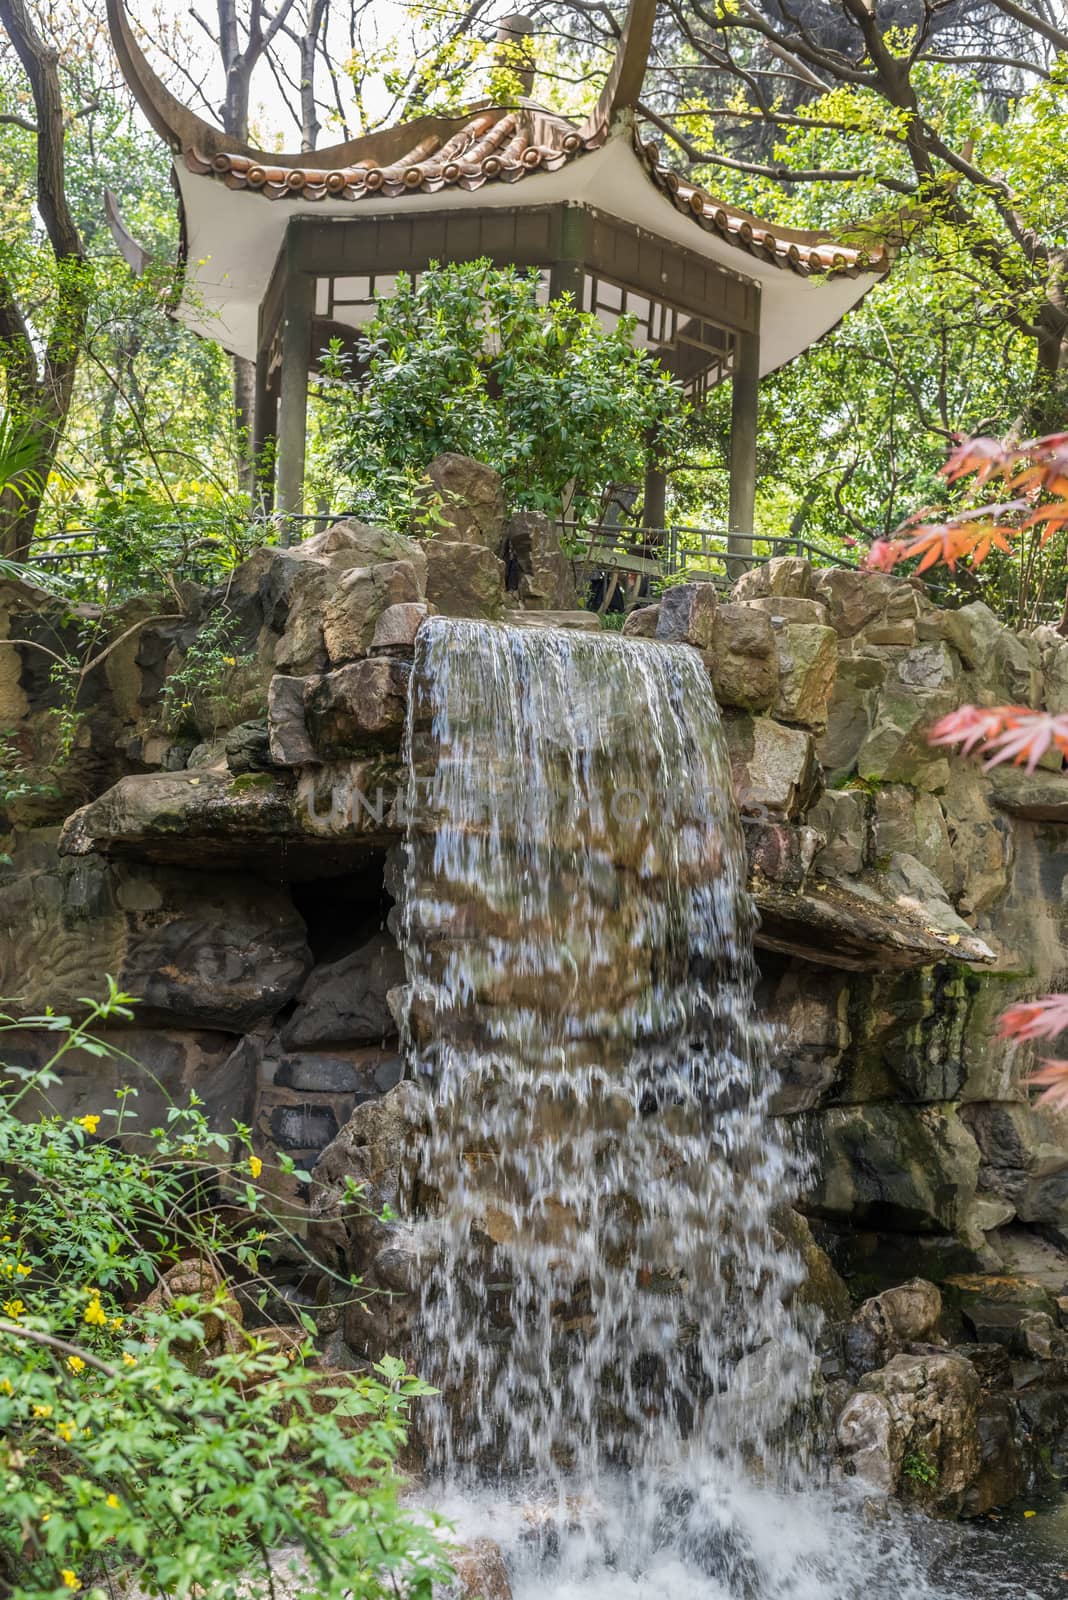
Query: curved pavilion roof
{"points": [[236, 200]]}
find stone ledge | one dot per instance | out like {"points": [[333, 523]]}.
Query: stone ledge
{"points": [[833, 926]]}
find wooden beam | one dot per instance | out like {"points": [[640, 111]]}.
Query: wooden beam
{"points": [[293, 411], [745, 393]]}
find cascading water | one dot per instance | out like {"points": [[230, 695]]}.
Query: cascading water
{"points": [[609, 1313]]}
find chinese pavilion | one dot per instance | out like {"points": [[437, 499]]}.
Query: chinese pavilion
{"points": [[283, 252]]}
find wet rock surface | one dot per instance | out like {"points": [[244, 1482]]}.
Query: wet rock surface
{"points": [[228, 868]]}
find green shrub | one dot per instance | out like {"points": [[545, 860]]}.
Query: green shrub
{"points": [[160, 1442]]}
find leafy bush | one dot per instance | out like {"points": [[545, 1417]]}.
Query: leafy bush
{"points": [[465, 359], [149, 1437]]}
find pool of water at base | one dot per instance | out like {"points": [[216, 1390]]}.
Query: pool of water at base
{"points": [[711, 1541]]}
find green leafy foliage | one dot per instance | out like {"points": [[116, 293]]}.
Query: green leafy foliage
{"points": [[467, 359], [155, 1440]]}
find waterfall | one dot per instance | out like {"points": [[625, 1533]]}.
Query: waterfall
{"points": [[609, 1313]]}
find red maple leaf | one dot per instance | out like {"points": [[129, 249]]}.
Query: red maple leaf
{"points": [[1003, 733], [1035, 1019], [1052, 1078]]}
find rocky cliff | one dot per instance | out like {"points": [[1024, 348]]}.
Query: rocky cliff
{"points": [[204, 795]]}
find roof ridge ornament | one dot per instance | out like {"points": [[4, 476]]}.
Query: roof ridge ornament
{"points": [[618, 103]]}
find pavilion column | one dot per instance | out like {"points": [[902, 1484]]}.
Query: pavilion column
{"points": [[264, 435], [745, 391], [293, 411]]}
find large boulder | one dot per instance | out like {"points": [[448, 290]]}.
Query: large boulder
{"points": [[352, 612], [782, 575], [851, 711], [688, 615], [808, 663], [465, 501], [913, 1428], [346, 1000], [358, 708], [464, 580], [922, 1180], [773, 768], [361, 1192], [197, 949], [888, 1323], [741, 660], [536, 567]]}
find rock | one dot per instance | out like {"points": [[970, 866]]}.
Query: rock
{"points": [[896, 750], [373, 1152], [742, 660], [888, 1323], [211, 819], [351, 543], [993, 1305], [912, 822], [247, 748], [821, 1287], [1034, 796], [535, 565], [467, 500], [642, 623], [779, 852], [351, 614], [290, 745], [810, 1023], [199, 950], [571, 621], [922, 1182], [913, 886], [912, 1429], [791, 608], [345, 1000], [854, 926], [464, 580], [397, 627], [851, 712], [481, 1573], [839, 815], [1038, 1338], [808, 662], [687, 615], [1002, 1472], [359, 707], [201, 1282], [1025, 1159], [853, 598], [782, 575], [164, 1065], [772, 767]]}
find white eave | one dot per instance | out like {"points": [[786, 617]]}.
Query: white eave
{"points": [[234, 236]]}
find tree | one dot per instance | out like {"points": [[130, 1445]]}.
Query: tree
{"points": [[39, 366], [467, 360]]}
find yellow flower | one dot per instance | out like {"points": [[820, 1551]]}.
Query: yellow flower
{"points": [[255, 1166], [23, 1270], [95, 1314], [42, 1411], [128, 1360], [90, 1124], [71, 1579], [76, 1364], [65, 1431], [230, 661], [5, 1386], [14, 1309], [114, 1502], [116, 1322]]}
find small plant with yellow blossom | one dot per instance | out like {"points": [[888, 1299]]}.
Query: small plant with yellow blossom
{"points": [[125, 1463]]}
